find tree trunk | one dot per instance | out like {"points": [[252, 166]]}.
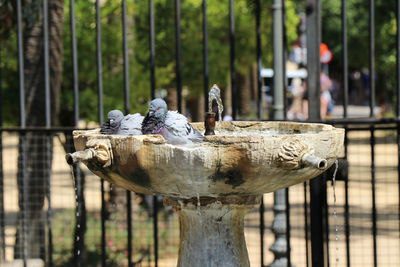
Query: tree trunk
{"points": [[244, 92], [200, 114], [172, 98], [35, 149]]}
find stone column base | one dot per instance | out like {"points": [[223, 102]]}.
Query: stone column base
{"points": [[211, 230]]}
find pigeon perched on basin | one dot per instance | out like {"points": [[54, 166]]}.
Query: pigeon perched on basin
{"points": [[172, 125], [117, 123]]}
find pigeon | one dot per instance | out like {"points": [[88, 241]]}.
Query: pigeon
{"points": [[117, 123], [172, 125]]}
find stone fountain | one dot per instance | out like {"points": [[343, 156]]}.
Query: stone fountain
{"points": [[212, 185]]}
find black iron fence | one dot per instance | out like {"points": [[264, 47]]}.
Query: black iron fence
{"points": [[85, 221]]}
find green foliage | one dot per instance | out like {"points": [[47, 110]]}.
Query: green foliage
{"points": [[9, 80], [358, 39], [138, 46]]}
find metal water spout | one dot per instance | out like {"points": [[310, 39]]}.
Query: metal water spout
{"points": [[209, 123], [314, 161], [215, 109], [79, 156]]}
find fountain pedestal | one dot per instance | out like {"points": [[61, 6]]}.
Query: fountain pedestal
{"points": [[212, 230], [213, 184]]}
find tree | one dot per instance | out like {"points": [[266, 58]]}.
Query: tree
{"points": [[358, 41], [35, 153], [191, 39], [138, 34], [218, 36]]}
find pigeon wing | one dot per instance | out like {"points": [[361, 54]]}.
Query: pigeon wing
{"points": [[106, 128], [131, 125], [178, 126]]}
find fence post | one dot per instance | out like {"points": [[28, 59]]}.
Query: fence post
{"points": [[279, 226], [317, 185], [2, 221]]}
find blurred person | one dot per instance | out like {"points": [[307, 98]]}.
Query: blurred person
{"points": [[296, 109], [326, 101], [326, 97]]}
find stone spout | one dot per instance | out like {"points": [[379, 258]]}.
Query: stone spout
{"points": [[79, 156], [98, 150], [314, 161]]}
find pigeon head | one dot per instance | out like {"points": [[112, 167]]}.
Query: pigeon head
{"points": [[158, 108], [115, 117]]}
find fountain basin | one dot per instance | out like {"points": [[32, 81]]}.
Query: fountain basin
{"points": [[243, 158], [211, 185]]}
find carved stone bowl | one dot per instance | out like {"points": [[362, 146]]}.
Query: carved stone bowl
{"points": [[213, 184], [243, 158]]}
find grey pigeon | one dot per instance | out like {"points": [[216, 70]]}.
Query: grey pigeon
{"points": [[119, 124], [172, 125]]}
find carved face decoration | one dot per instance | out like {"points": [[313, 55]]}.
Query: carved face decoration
{"points": [[115, 117]]}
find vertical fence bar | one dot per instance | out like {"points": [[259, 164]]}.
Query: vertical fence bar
{"points": [[306, 225], [287, 203], [100, 107], [153, 90], [372, 56], [48, 192], [205, 57], [398, 95], [318, 253], [285, 81], [262, 228], [313, 31], [99, 62], [22, 143], [2, 222], [346, 203], [326, 222], [280, 219], [178, 52], [46, 62], [48, 124], [20, 66], [313, 22], [345, 80], [155, 229], [258, 58], [80, 211], [372, 106], [259, 113], [284, 60], [232, 57], [127, 111], [126, 59], [129, 225], [74, 61], [398, 167], [22, 196], [398, 62], [152, 50], [373, 182]]}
